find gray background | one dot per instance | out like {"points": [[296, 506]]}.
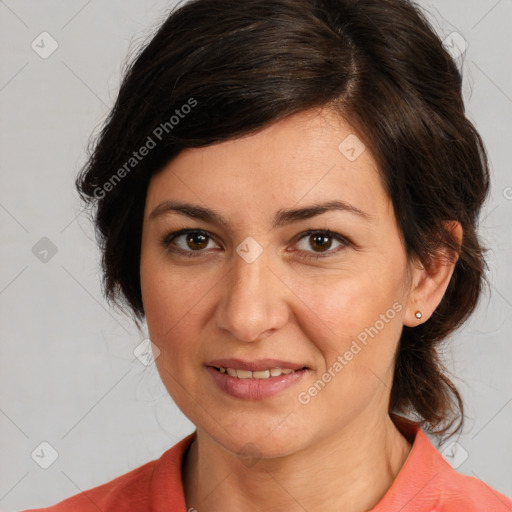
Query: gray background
{"points": [[68, 371]]}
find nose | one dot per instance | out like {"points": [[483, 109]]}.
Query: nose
{"points": [[253, 303]]}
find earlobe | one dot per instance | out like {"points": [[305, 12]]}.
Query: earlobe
{"points": [[415, 311], [429, 283]]}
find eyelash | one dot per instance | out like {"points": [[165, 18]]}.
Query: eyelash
{"points": [[169, 238]]}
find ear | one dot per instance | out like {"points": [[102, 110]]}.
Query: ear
{"points": [[428, 285]]}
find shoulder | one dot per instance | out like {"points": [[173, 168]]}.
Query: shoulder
{"points": [[464, 492], [122, 494], [428, 483], [140, 489], [456, 491]]}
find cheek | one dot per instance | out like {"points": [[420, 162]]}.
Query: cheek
{"points": [[347, 304], [169, 294], [171, 307], [358, 352], [176, 306], [357, 316]]}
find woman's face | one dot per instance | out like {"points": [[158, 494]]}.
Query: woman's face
{"points": [[253, 286]]}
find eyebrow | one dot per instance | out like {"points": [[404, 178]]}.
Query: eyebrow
{"points": [[282, 218]]}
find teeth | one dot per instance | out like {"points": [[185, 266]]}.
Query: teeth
{"points": [[261, 374]]}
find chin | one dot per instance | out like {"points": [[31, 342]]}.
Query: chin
{"points": [[253, 439]]}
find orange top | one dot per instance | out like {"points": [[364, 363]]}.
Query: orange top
{"points": [[426, 483]]}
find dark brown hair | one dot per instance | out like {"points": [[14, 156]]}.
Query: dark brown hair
{"points": [[219, 69]]}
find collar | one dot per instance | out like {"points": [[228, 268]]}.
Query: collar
{"points": [[416, 486]]}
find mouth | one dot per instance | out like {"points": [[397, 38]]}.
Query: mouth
{"points": [[257, 369], [259, 374], [255, 380]]}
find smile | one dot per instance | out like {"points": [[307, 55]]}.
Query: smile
{"points": [[257, 384], [261, 374]]}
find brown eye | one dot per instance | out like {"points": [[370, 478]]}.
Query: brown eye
{"points": [[321, 241], [196, 241], [187, 242]]}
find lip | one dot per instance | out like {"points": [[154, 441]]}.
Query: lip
{"points": [[254, 366], [254, 389]]}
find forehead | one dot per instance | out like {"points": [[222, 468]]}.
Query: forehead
{"points": [[311, 157]]}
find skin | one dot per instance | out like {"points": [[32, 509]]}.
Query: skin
{"points": [[340, 451]]}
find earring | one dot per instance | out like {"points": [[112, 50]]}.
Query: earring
{"points": [[418, 314]]}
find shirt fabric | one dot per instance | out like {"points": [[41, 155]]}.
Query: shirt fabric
{"points": [[425, 483]]}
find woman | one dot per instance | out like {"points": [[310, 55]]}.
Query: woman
{"points": [[287, 191]]}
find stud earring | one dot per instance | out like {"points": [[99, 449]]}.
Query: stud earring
{"points": [[418, 314]]}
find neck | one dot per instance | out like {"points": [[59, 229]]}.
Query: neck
{"points": [[349, 471]]}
